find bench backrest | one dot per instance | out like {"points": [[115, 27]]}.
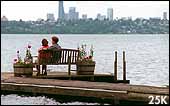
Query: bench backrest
{"points": [[58, 56]]}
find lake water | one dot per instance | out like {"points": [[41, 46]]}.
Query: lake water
{"points": [[147, 56]]}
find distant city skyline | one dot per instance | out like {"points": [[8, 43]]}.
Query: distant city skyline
{"points": [[32, 10]]}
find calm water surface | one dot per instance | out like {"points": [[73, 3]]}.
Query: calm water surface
{"points": [[147, 56]]}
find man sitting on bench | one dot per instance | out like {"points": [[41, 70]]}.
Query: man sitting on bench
{"points": [[55, 45]]}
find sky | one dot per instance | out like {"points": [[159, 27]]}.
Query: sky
{"points": [[32, 10]]}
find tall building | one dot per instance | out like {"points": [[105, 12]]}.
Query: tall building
{"points": [[61, 14], [72, 10], [84, 16], [4, 18], [73, 15], [50, 17], [101, 17], [164, 15], [98, 16], [66, 17], [110, 14]]}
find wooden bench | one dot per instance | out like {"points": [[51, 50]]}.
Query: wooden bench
{"points": [[58, 57]]}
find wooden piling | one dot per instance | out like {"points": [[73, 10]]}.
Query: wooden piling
{"points": [[115, 66], [124, 66]]}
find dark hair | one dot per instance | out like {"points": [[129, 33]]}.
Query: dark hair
{"points": [[55, 39], [44, 42]]}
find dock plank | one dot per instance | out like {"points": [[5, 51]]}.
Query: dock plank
{"points": [[82, 88], [87, 84]]}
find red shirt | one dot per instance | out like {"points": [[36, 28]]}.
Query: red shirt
{"points": [[43, 55], [43, 47]]}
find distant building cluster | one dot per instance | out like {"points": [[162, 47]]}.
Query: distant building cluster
{"points": [[74, 15], [109, 15], [101, 17], [71, 15]]}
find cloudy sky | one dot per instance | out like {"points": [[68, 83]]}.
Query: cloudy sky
{"points": [[32, 10]]}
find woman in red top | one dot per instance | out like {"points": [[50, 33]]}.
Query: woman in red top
{"points": [[41, 55]]}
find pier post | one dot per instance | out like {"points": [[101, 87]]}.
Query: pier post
{"points": [[115, 66], [124, 66]]}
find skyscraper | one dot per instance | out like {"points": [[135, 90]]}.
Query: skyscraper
{"points": [[61, 14], [164, 15], [4, 18], [110, 14], [50, 17], [84, 16], [73, 15]]}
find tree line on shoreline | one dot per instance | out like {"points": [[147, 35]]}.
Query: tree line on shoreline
{"points": [[89, 26]]}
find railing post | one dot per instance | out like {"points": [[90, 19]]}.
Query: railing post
{"points": [[115, 66], [69, 65], [124, 66]]}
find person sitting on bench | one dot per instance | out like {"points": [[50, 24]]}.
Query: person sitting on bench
{"points": [[55, 47], [55, 44], [44, 46]]}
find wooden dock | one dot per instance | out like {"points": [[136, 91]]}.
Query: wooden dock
{"points": [[116, 92], [93, 78]]}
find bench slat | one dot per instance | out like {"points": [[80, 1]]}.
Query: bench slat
{"points": [[66, 53], [73, 59], [72, 56]]}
